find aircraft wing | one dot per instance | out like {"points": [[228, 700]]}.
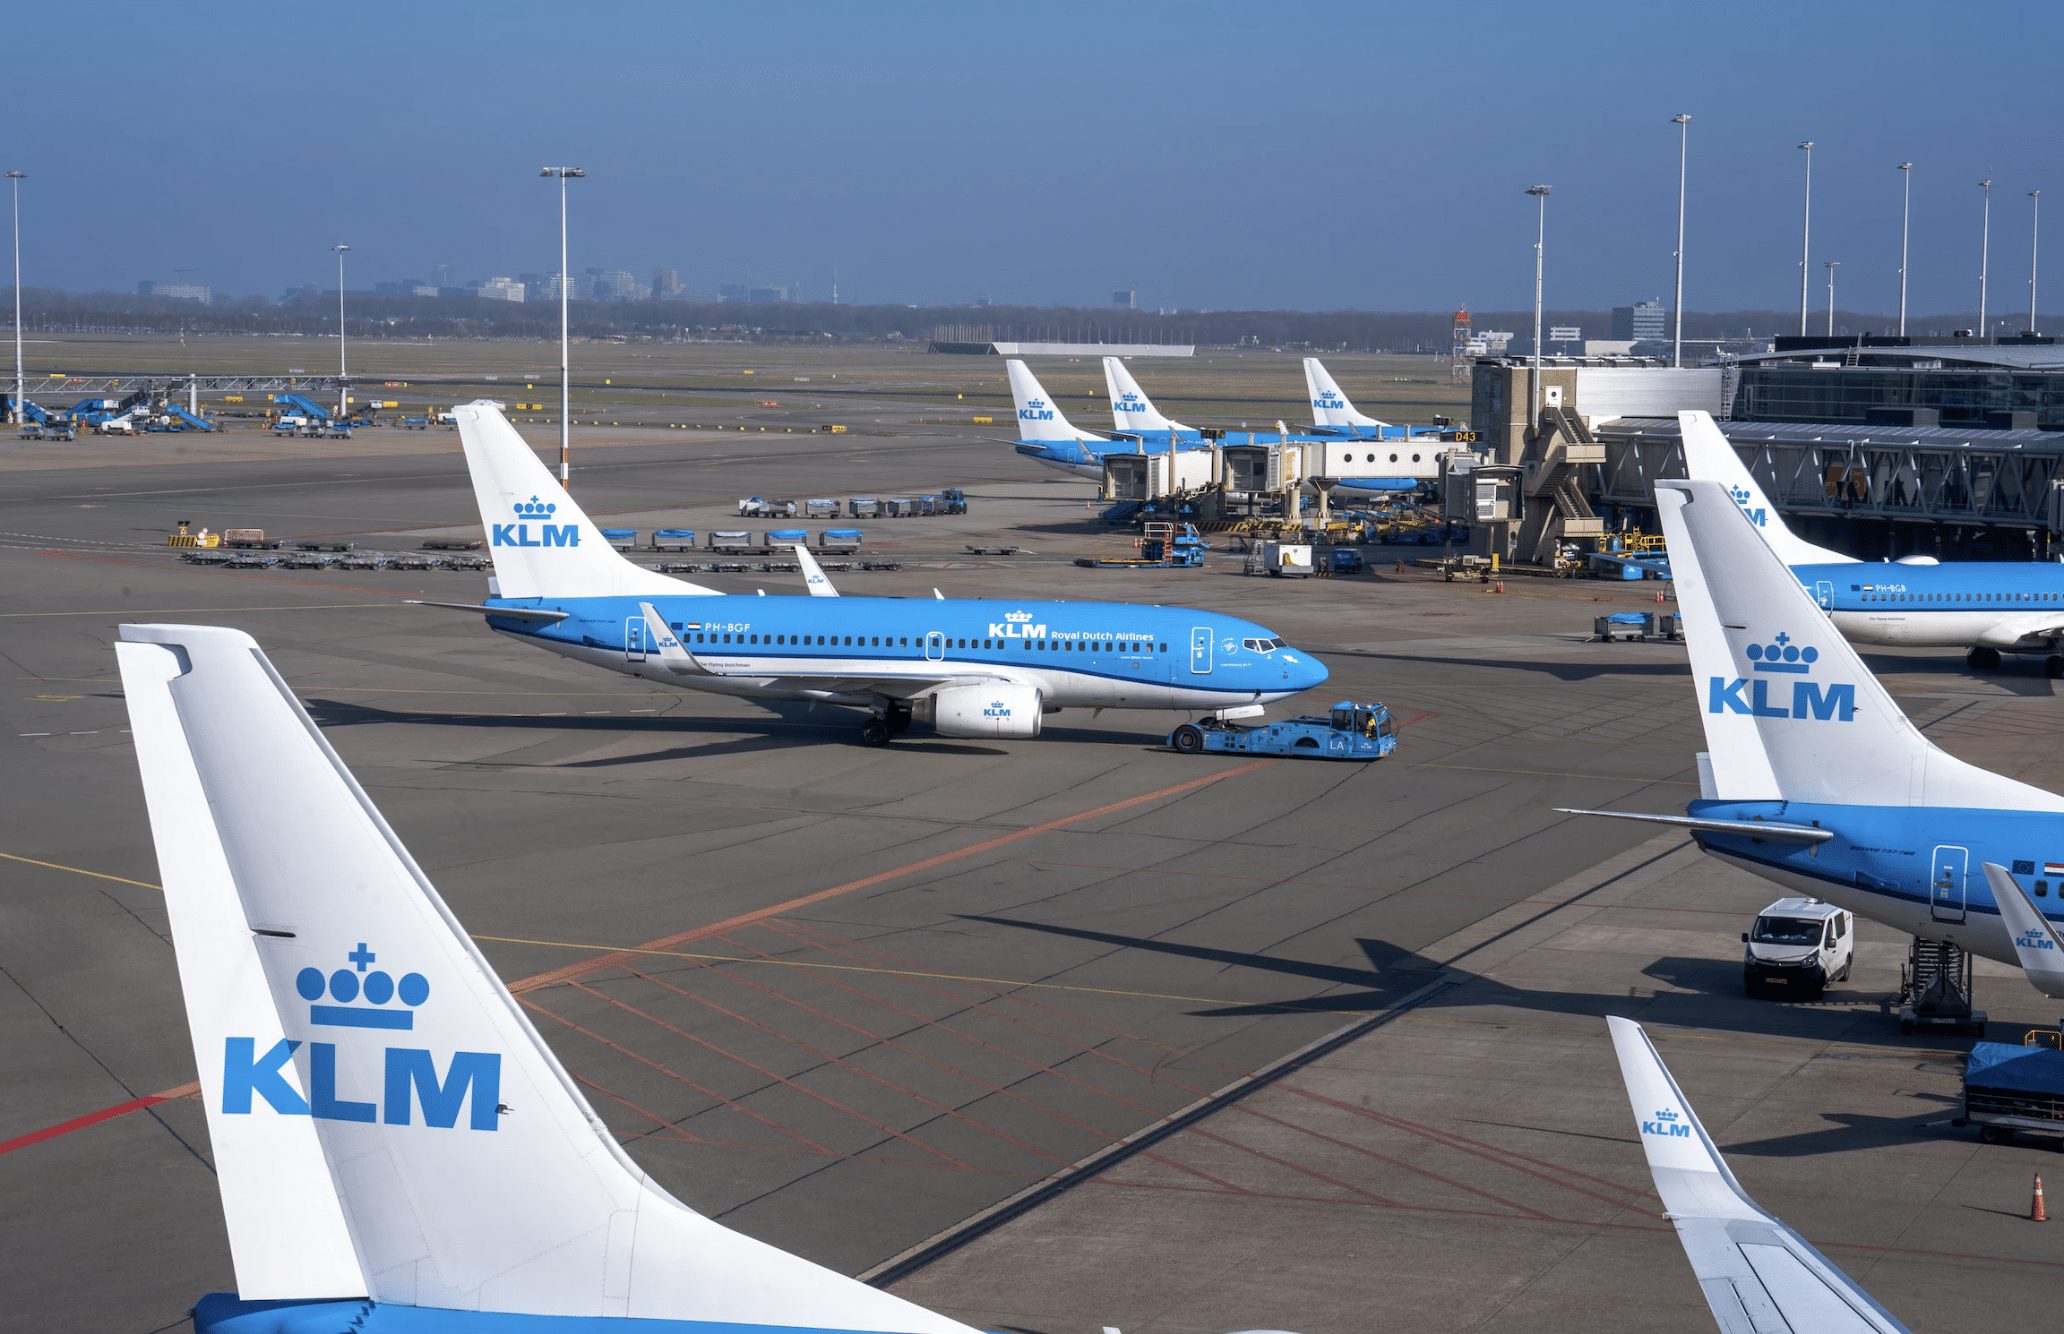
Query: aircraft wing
{"points": [[2035, 940], [813, 574], [675, 657], [1758, 1276]]}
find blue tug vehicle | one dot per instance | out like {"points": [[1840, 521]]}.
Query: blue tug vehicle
{"points": [[1350, 731]]}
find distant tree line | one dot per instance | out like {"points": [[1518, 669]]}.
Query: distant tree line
{"points": [[371, 315]]}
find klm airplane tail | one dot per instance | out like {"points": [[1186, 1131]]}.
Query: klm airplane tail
{"points": [[1708, 457], [1329, 406], [1131, 409], [388, 1129], [1038, 418], [1790, 711], [543, 544]]}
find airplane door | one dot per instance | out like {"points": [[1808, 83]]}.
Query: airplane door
{"points": [[935, 646], [634, 639], [1824, 594], [1946, 895], [1200, 650]]}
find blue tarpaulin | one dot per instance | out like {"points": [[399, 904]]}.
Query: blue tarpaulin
{"points": [[1995, 1065]]}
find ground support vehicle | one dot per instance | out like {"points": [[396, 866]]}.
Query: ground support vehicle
{"points": [[2009, 1089], [1350, 731], [1797, 947]]}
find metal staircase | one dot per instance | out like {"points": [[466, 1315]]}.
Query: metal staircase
{"points": [[1558, 510], [1935, 989]]}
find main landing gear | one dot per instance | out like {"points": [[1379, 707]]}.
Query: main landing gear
{"points": [[880, 729], [1983, 659]]}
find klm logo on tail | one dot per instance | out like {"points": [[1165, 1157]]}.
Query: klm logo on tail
{"points": [[1759, 697], [1757, 514], [530, 530], [1329, 401], [354, 998], [1667, 1125], [1035, 410], [1130, 403]]}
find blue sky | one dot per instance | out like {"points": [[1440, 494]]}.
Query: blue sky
{"points": [[1312, 155]]}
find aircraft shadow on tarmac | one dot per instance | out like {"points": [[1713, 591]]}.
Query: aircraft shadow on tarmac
{"points": [[1561, 671], [1394, 974], [788, 725]]}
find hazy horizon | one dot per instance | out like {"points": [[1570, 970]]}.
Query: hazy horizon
{"points": [[1323, 157]]}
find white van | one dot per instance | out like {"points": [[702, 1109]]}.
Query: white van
{"points": [[1797, 947]]}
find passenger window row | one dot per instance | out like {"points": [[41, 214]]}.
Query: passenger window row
{"points": [[894, 641], [2047, 599]]}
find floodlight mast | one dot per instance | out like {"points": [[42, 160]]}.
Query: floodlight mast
{"points": [[1683, 124], [14, 410], [343, 367], [564, 174], [1905, 218], [1805, 235], [1540, 193]]}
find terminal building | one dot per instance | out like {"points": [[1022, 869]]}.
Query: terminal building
{"points": [[1881, 447]]}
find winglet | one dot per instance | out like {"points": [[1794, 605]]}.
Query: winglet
{"points": [[813, 574], [667, 645], [2035, 939]]}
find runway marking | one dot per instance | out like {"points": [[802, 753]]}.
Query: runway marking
{"points": [[81, 1122], [731, 924], [77, 870]]}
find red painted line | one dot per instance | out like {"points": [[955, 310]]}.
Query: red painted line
{"points": [[81, 1122], [731, 924]]}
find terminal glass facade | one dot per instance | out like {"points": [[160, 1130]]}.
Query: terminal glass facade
{"points": [[1789, 392]]}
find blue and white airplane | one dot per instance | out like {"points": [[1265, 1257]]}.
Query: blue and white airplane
{"points": [[1136, 417], [1984, 607], [396, 1149], [1046, 434], [970, 667], [1812, 777]]}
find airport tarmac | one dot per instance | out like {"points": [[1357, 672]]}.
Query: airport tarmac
{"points": [[853, 1000]]}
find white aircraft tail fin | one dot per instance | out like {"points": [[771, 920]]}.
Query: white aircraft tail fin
{"points": [[385, 1121], [1038, 418], [1131, 409], [1755, 1273], [1790, 711], [542, 542], [2036, 943], [1710, 457], [1329, 406]]}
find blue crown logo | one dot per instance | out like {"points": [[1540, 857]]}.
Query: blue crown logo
{"points": [[1741, 494], [533, 509], [1035, 403], [1783, 656], [377, 989], [1665, 1114]]}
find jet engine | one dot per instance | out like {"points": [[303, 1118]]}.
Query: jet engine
{"points": [[995, 711]]}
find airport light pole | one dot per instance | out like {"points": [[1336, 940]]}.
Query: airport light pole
{"points": [[1984, 253], [1540, 193], [1905, 218], [564, 174], [343, 366], [2034, 245], [1831, 266], [14, 411], [1805, 235], [1683, 124]]}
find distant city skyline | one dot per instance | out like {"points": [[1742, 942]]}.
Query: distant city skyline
{"points": [[930, 153]]}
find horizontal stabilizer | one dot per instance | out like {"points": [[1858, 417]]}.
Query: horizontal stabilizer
{"points": [[1757, 1275], [2035, 939], [543, 615], [1783, 833]]}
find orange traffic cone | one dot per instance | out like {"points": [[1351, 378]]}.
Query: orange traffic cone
{"points": [[1501, 585], [2036, 1212], [1659, 595]]}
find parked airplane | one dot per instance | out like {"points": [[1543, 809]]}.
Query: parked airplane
{"points": [[1985, 607], [1757, 1275], [971, 667], [1046, 434], [1134, 414], [1813, 778]]}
